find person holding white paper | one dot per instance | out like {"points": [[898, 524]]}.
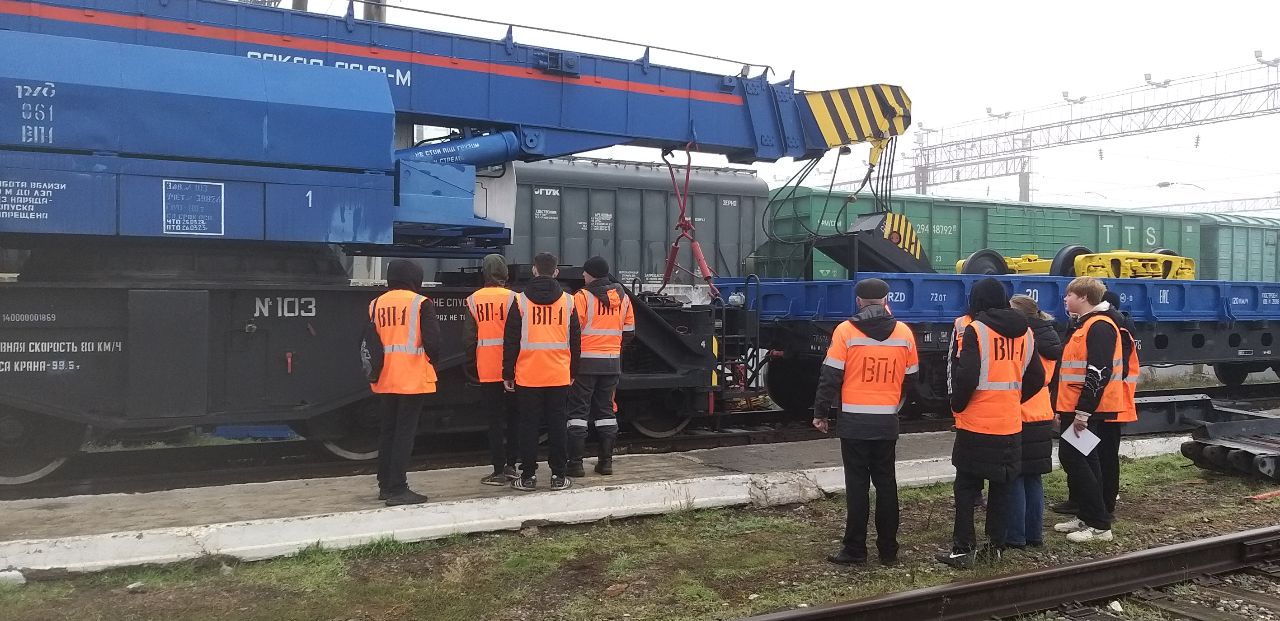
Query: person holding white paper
{"points": [[1090, 390]]}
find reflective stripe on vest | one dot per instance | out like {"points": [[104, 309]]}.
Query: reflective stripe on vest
{"points": [[410, 344], [544, 363], [406, 368], [996, 405], [984, 373], [489, 329]]}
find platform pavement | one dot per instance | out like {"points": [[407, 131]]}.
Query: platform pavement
{"points": [[263, 520]]}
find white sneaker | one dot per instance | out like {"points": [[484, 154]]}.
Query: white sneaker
{"points": [[1090, 534], [1070, 526]]}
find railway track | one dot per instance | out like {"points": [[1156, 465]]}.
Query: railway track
{"points": [[157, 469], [1200, 580]]}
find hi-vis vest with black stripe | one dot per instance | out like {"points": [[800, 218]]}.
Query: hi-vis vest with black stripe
{"points": [[489, 308], [996, 405], [545, 354], [406, 368], [873, 370]]}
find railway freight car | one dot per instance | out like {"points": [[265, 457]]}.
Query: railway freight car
{"points": [[582, 207], [952, 229]]}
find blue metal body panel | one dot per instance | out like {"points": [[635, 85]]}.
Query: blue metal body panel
{"points": [[74, 194], [448, 79], [940, 298], [81, 95]]}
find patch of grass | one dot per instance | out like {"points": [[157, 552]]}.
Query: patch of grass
{"points": [[311, 570], [385, 546], [539, 556]]}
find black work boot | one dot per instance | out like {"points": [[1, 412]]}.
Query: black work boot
{"points": [[577, 447], [604, 465]]}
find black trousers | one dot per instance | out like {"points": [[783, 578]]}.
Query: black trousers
{"points": [[1109, 459], [591, 398], [870, 462], [504, 428], [398, 429], [540, 406], [1084, 476], [968, 489]]}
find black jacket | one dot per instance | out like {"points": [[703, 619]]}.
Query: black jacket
{"points": [[877, 323], [540, 290]]}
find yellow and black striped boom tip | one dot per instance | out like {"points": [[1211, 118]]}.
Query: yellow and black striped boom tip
{"points": [[871, 113]]}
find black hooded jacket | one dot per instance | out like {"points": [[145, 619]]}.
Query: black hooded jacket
{"points": [[877, 323], [540, 290]]}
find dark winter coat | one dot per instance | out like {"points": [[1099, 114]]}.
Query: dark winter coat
{"points": [[540, 290], [877, 323]]}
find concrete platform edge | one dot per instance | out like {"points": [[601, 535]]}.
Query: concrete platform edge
{"points": [[269, 538]]}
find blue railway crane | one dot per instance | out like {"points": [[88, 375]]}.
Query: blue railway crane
{"points": [[180, 171]]}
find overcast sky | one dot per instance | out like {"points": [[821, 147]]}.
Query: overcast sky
{"points": [[955, 59]]}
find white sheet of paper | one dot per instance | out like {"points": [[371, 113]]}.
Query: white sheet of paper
{"points": [[1085, 442]]}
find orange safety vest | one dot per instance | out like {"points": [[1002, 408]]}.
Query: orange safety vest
{"points": [[489, 307], [1130, 412], [1038, 408], [602, 323], [953, 346], [406, 367], [1075, 365], [873, 370], [544, 343], [996, 406]]}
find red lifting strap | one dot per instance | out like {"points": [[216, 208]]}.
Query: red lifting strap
{"points": [[685, 225]]}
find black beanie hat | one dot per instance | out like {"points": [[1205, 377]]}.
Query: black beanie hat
{"points": [[597, 267], [404, 274], [987, 294]]}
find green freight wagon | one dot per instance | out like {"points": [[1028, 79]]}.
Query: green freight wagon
{"points": [[1239, 248], [951, 229]]}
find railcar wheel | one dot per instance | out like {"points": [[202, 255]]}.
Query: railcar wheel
{"points": [[1231, 374], [1064, 262], [33, 447], [356, 436], [987, 262], [792, 384], [656, 417]]}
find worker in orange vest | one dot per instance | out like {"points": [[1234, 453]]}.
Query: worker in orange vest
{"points": [[1026, 495], [540, 352], [406, 324], [1090, 382], [993, 376], [873, 364], [483, 328], [1109, 458], [608, 324]]}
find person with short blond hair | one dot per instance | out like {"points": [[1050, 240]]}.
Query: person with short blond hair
{"points": [[1089, 288]]}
